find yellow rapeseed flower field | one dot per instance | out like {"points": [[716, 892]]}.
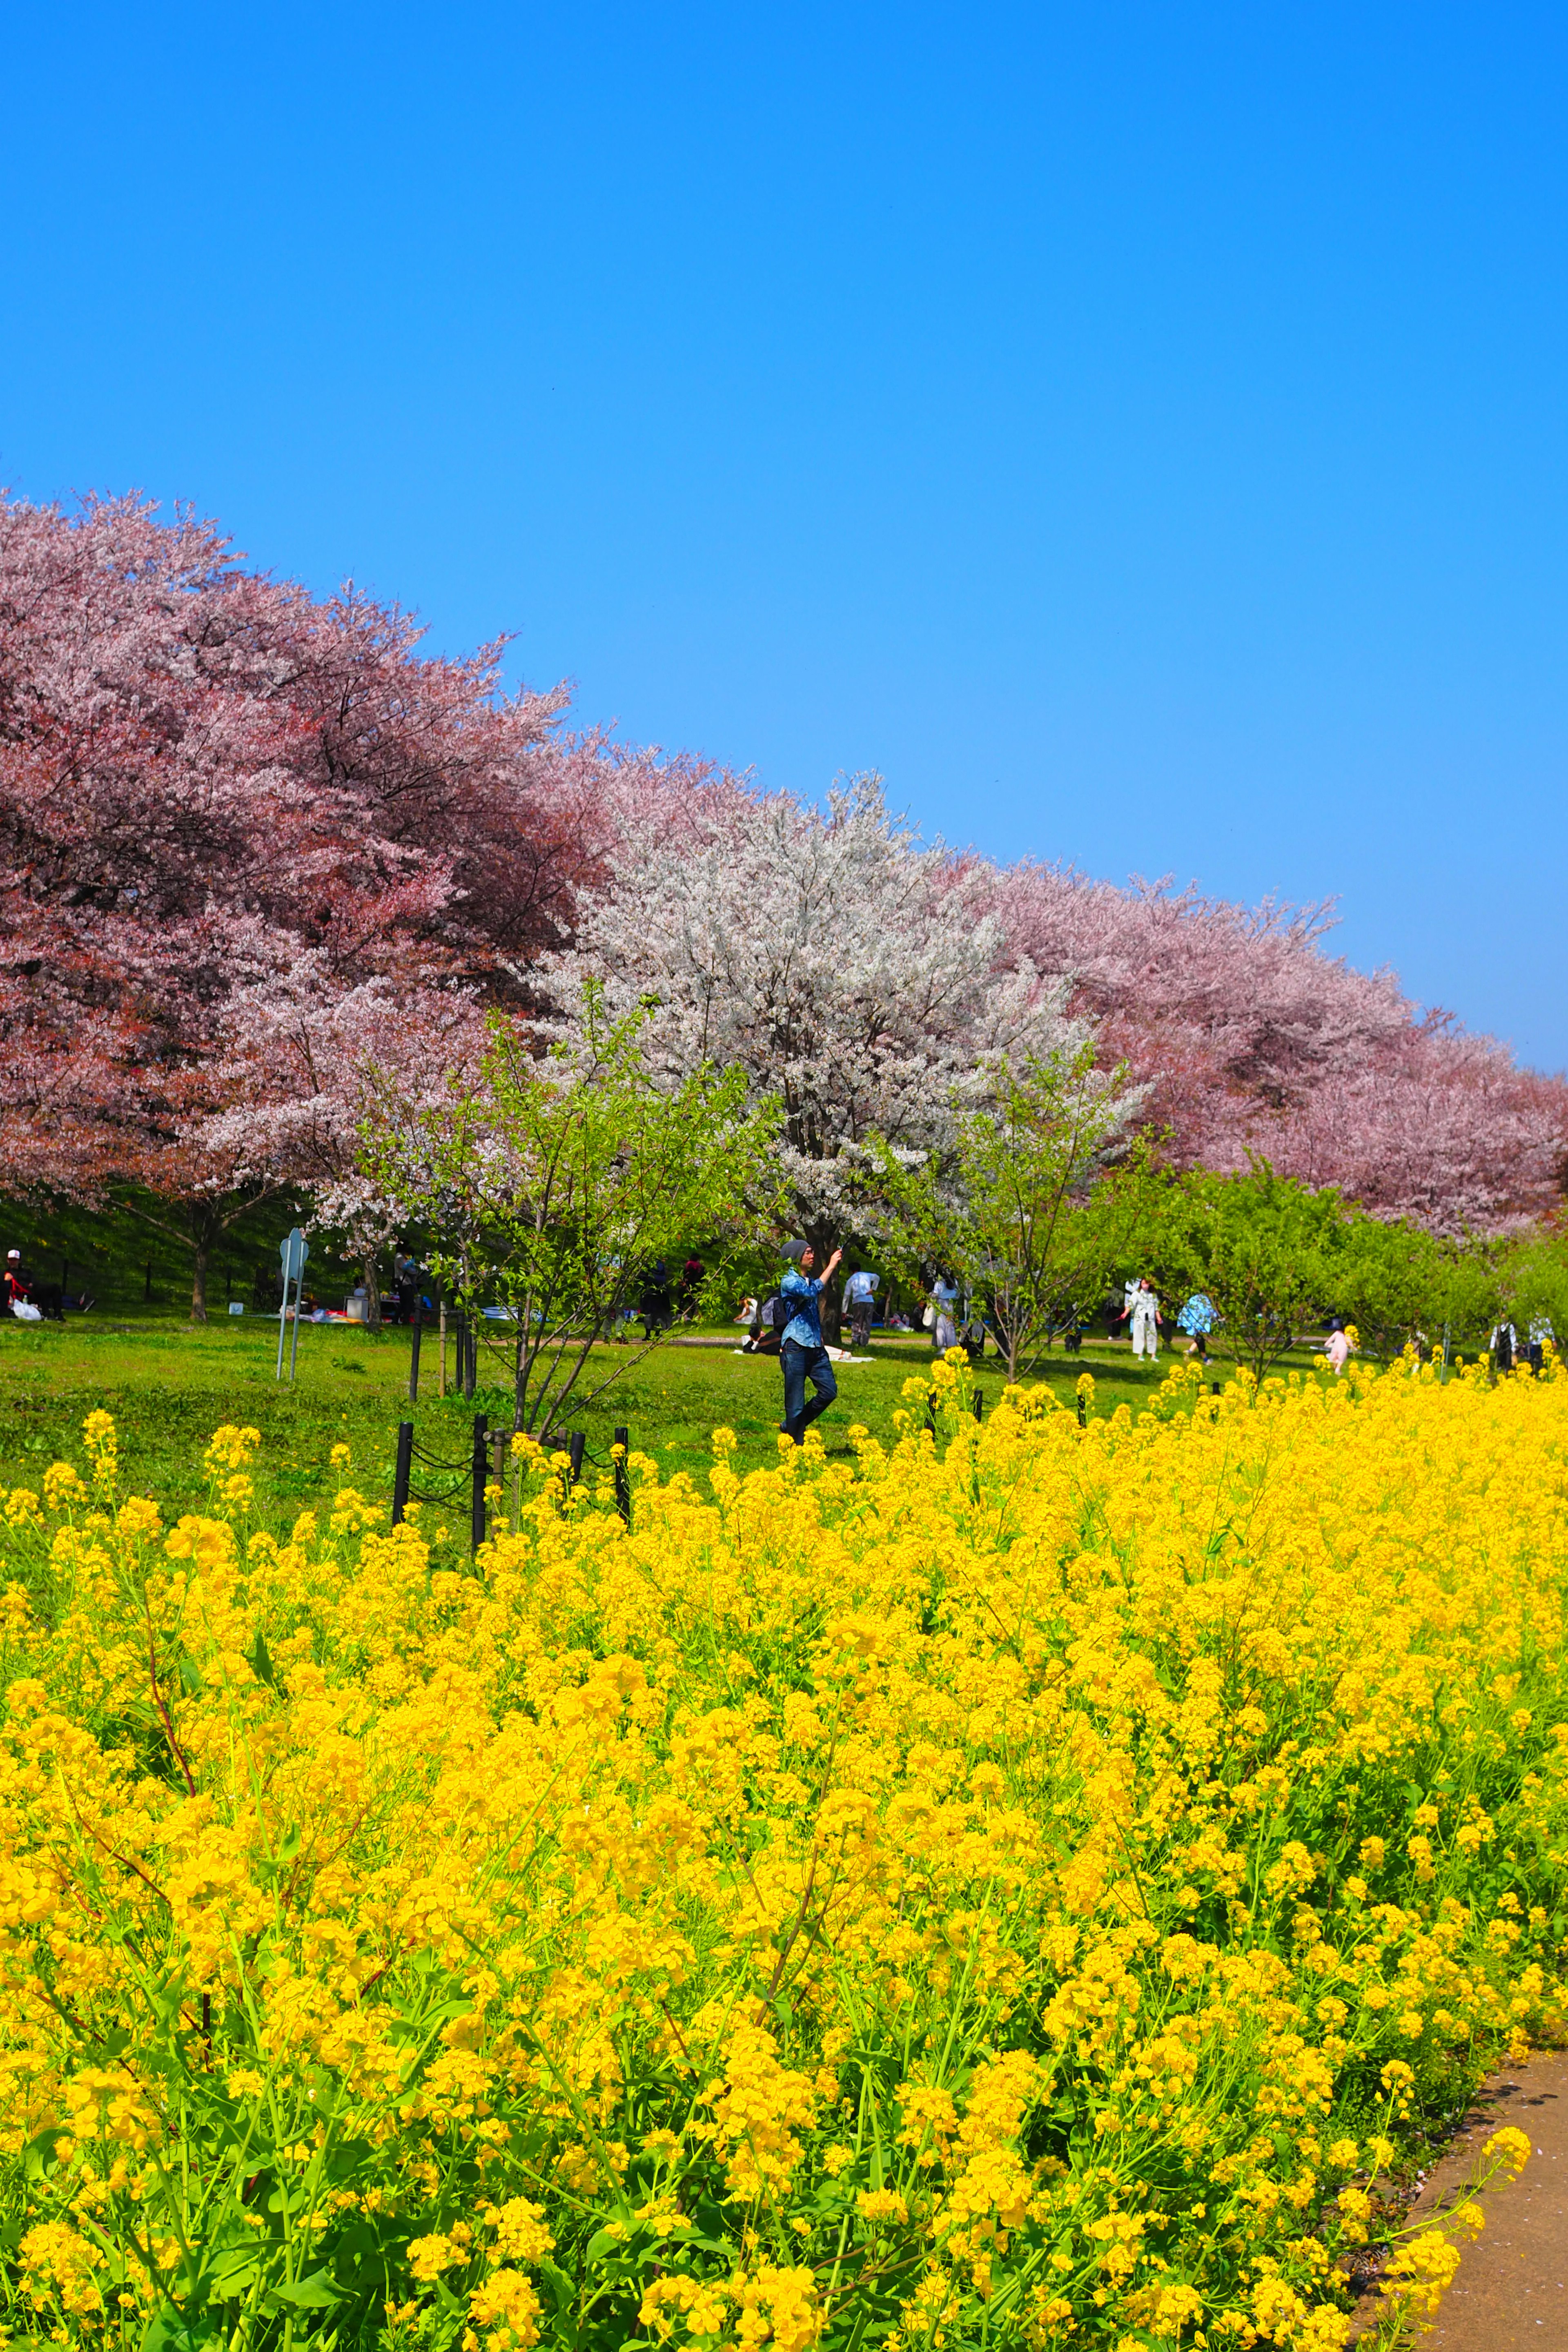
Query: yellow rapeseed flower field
{"points": [[1031, 1886]]}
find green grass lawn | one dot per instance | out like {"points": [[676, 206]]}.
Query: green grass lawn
{"points": [[169, 1386]]}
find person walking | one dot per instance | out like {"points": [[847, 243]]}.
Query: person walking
{"points": [[1198, 1319], [860, 1297], [653, 1304], [1540, 1338], [405, 1283], [943, 1326], [1143, 1311], [801, 1349]]}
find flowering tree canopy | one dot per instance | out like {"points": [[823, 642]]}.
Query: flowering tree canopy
{"points": [[210, 782], [1254, 1042], [828, 954], [252, 841]]}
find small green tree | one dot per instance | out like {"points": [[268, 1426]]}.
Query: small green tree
{"points": [[1261, 1246], [1532, 1281], [551, 1188], [1388, 1277], [1027, 1212]]}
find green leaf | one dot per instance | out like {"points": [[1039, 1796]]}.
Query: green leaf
{"points": [[317, 2293], [168, 2332]]}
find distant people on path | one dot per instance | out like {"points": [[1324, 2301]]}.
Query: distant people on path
{"points": [[1142, 1311], [801, 1350], [1198, 1319], [860, 1300], [689, 1287], [1340, 1349], [1504, 1346], [767, 1326], [1541, 1337]]}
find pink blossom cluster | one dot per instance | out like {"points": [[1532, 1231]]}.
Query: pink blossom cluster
{"points": [[1253, 1039]]}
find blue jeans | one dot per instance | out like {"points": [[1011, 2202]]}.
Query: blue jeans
{"points": [[800, 1365]]}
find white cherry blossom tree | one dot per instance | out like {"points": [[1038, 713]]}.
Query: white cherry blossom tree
{"points": [[846, 967]]}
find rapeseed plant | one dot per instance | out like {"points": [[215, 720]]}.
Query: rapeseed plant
{"points": [[1033, 1885]]}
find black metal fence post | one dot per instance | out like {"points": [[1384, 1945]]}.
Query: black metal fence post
{"points": [[1082, 1414], [481, 1468], [979, 1404], [574, 1444], [403, 1472], [413, 1357], [623, 1477]]}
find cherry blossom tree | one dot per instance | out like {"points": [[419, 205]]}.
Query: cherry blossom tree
{"points": [[1254, 1041], [206, 777], [827, 953]]}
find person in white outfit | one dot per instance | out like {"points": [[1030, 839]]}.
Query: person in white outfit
{"points": [[1143, 1311], [944, 1328]]}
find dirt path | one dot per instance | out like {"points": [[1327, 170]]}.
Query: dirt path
{"points": [[1511, 2292]]}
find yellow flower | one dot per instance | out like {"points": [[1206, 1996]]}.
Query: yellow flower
{"points": [[429, 2257]]}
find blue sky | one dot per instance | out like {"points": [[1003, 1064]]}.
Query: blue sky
{"points": [[1138, 432]]}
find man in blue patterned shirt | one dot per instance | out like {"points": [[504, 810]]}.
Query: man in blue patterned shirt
{"points": [[801, 1351]]}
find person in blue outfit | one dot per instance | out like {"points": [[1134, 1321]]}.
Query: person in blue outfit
{"points": [[801, 1351], [1198, 1319]]}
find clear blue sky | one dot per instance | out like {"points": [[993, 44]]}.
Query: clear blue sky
{"points": [[1137, 431]]}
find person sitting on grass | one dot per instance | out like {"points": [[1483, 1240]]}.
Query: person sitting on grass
{"points": [[23, 1289], [801, 1350]]}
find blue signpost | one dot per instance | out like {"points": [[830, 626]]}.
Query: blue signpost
{"points": [[293, 1250]]}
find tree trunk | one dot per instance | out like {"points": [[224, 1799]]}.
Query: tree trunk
{"points": [[824, 1243], [205, 1227], [371, 1293]]}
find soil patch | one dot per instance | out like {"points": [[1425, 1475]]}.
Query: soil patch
{"points": [[1511, 2291]]}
